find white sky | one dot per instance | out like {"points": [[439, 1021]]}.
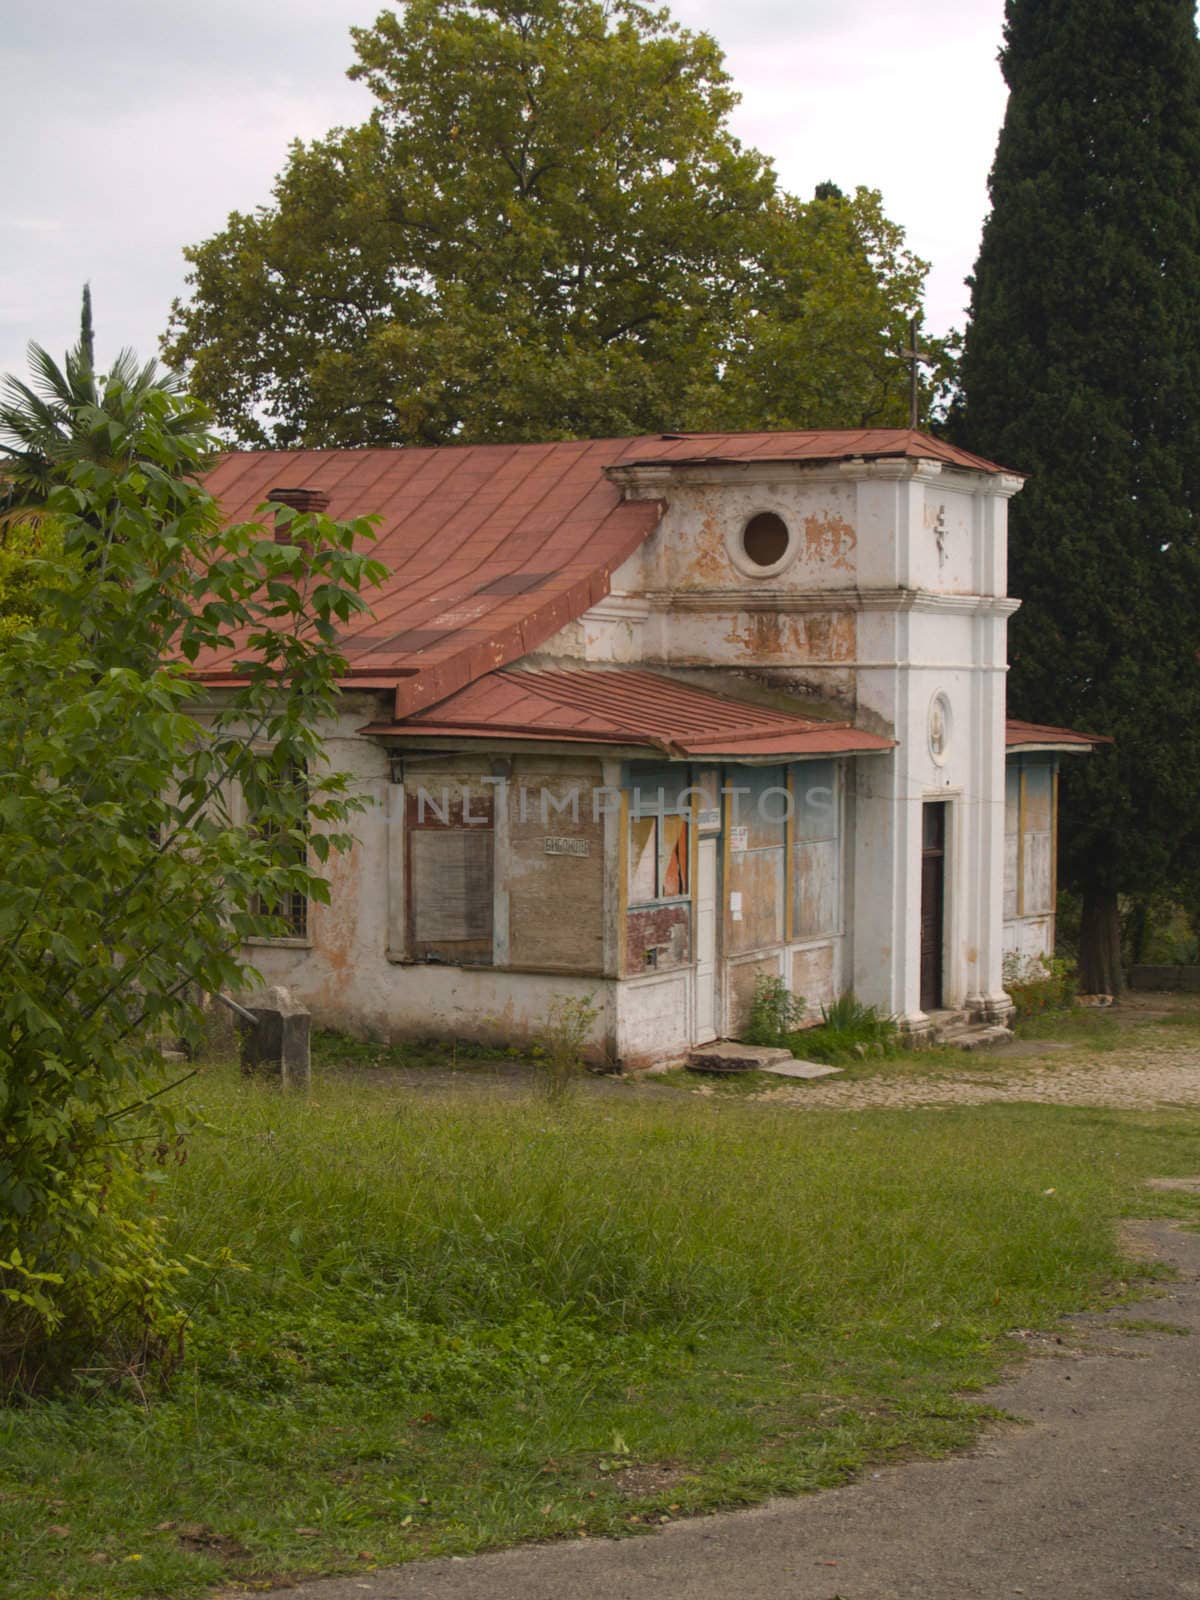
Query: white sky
{"points": [[133, 127]]}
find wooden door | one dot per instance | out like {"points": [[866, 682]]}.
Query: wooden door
{"points": [[706, 941], [933, 903]]}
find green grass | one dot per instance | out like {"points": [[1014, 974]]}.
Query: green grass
{"points": [[331, 1050], [1098, 1029], [733, 1085], [466, 1320]]}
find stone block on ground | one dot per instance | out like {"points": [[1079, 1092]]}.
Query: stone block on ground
{"points": [[277, 1042]]}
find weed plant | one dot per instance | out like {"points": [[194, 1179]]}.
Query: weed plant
{"points": [[1039, 983], [849, 1031], [775, 1012]]}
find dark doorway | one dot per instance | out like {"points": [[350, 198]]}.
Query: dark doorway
{"points": [[933, 903]]}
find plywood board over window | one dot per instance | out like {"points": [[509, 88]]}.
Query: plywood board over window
{"points": [[1038, 830], [450, 869], [1029, 824], [817, 850], [555, 873], [756, 824]]}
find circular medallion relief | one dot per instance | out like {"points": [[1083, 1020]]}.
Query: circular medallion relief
{"points": [[939, 727]]}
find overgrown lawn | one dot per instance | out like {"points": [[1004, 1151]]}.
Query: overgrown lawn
{"points": [[467, 1319]]}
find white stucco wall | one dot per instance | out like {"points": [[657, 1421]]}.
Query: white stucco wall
{"points": [[892, 596]]}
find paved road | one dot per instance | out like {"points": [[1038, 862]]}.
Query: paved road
{"points": [[1097, 1499]]}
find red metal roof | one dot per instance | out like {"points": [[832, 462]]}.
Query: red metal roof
{"points": [[625, 708], [1018, 733], [494, 548]]}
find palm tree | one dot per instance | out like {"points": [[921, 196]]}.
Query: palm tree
{"points": [[68, 412]]}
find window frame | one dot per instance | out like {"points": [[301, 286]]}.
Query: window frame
{"points": [[681, 849]]}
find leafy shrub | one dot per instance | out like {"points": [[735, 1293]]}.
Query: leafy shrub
{"points": [[849, 1030], [1039, 983], [775, 1012], [128, 885]]}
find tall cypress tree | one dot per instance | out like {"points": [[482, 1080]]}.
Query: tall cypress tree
{"points": [[87, 334], [1082, 370]]}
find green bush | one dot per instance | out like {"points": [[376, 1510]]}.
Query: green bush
{"points": [[1039, 983], [775, 1012]]}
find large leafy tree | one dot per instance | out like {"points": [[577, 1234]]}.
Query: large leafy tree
{"points": [[1082, 369], [544, 230], [130, 877]]}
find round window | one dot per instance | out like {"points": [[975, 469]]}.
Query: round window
{"points": [[765, 539]]}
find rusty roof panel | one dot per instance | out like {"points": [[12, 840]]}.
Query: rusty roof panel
{"points": [[625, 708], [1017, 733]]}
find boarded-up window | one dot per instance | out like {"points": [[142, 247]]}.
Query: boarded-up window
{"points": [[1037, 857], [1028, 839], [817, 850], [450, 879], [1012, 841], [452, 885], [757, 822]]}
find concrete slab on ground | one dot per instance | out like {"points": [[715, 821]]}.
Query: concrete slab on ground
{"points": [[802, 1069]]}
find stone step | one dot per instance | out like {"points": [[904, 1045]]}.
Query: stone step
{"points": [[975, 1037]]}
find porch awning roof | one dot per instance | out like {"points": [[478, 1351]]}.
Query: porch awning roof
{"points": [[625, 708], [1020, 736]]}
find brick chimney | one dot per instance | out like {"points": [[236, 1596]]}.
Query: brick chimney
{"points": [[307, 501]]}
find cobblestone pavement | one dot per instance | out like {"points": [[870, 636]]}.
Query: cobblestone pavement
{"points": [[1149, 1068]]}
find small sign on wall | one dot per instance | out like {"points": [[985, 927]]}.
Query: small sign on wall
{"points": [[565, 845], [735, 905], [739, 838]]}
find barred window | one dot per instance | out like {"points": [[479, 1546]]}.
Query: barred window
{"points": [[291, 907]]}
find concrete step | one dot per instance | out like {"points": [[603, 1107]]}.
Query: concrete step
{"points": [[974, 1036]]}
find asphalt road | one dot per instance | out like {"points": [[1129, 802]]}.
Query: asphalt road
{"points": [[1096, 1498]]}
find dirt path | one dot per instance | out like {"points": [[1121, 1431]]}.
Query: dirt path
{"points": [[1096, 1498]]}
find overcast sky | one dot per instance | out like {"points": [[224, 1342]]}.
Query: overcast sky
{"points": [[133, 127]]}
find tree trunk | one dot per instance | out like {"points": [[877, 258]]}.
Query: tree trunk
{"points": [[1100, 944]]}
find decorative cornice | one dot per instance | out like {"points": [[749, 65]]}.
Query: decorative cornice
{"points": [[621, 608], [807, 600]]}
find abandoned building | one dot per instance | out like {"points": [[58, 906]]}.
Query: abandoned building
{"points": [[643, 718]]}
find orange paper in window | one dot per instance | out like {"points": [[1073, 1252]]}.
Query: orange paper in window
{"points": [[675, 874]]}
